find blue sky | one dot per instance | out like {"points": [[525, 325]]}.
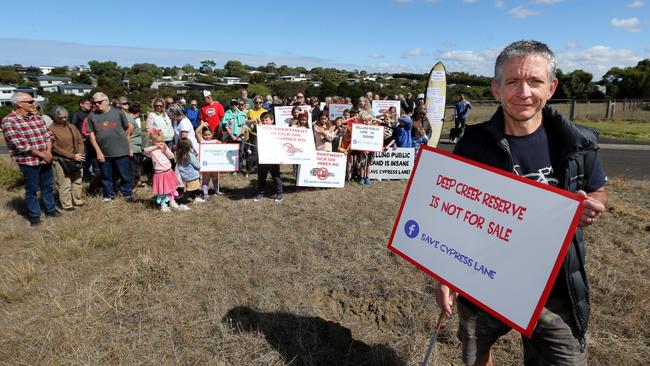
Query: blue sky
{"points": [[373, 35]]}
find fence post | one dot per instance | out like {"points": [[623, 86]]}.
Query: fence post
{"points": [[572, 110], [608, 108]]}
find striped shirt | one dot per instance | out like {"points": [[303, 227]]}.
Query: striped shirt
{"points": [[24, 134]]}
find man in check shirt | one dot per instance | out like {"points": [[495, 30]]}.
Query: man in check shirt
{"points": [[30, 145]]}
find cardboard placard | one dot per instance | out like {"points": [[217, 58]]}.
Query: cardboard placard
{"points": [[393, 164], [367, 137], [497, 239], [282, 115], [380, 107], [285, 145], [218, 157], [336, 110], [328, 172]]}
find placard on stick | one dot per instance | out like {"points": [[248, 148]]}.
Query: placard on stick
{"points": [[367, 137], [285, 145], [496, 238]]}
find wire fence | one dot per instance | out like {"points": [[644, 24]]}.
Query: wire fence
{"points": [[594, 110]]}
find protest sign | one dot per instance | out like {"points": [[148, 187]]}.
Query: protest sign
{"points": [[381, 106], [496, 238], [283, 115], [393, 164], [219, 157], [329, 171], [436, 94], [336, 110], [285, 145], [367, 137]]}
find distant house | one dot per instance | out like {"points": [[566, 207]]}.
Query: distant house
{"points": [[6, 91], [294, 78], [49, 83], [232, 81], [74, 89], [46, 70]]}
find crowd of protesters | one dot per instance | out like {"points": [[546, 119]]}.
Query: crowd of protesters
{"points": [[115, 143]]}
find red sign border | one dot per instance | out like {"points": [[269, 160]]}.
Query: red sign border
{"points": [[363, 124], [558, 262], [220, 171]]}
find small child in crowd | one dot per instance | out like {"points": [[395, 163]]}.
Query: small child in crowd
{"points": [[264, 169], [164, 179], [419, 137], [204, 136], [188, 167]]}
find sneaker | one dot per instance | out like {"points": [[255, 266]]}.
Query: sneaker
{"points": [[129, 199], [258, 197], [54, 213], [68, 209], [366, 180], [164, 208], [173, 205], [34, 221], [183, 208], [217, 194], [361, 181], [107, 199], [279, 198], [199, 200]]}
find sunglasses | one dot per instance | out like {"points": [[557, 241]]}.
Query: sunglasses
{"points": [[158, 105], [99, 101], [28, 101]]}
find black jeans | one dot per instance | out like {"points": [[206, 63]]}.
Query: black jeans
{"points": [[262, 172]]}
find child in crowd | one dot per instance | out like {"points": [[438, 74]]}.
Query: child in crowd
{"points": [[164, 178], [403, 132], [344, 147], [204, 136], [419, 137], [263, 169], [338, 132], [188, 167], [324, 133]]}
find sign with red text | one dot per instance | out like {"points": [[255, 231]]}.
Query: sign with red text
{"points": [[283, 114], [380, 107], [367, 137], [328, 172], [496, 238], [285, 145], [218, 157]]}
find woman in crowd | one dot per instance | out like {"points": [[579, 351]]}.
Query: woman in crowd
{"points": [[324, 133], [390, 117], [293, 121], [421, 121], [159, 120], [67, 149], [135, 142], [232, 126]]}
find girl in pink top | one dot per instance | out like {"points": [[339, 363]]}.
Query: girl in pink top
{"points": [[164, 178]]}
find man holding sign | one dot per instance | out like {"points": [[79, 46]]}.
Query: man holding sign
{"points": [[529, 139]]}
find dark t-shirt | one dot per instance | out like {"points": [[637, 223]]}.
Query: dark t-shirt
{"points": [[531, 158], [110, 132]]}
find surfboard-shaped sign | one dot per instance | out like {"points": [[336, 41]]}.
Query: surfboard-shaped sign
{"points": [[435, 96]]}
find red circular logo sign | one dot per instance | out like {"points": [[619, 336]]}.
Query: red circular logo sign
{"points": [[322, 173], [289, 149]]}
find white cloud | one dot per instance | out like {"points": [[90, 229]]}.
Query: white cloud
{"points": [[412, 53], [376, 55], [499, 3], [635, 4], [629, 24], [597, 59], [546, 1], [522, 12], [474, 62]]}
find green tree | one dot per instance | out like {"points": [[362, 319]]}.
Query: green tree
{"points": [[234, 68], [141, 80], [82, 78], [207, 66], [259, 89], [108, 69], [59, 71], [151, 69], [8, 75]]}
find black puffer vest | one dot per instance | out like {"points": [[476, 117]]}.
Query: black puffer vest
{"points": [[486, 143]]}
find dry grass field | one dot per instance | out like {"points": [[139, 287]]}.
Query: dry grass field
{"points": [[308, 281]]}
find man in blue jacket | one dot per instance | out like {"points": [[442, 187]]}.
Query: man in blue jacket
{"points": [[530, 139]]}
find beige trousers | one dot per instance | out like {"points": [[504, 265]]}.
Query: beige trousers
{"points": [[69, 187]]}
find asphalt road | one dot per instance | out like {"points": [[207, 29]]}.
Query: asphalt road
{"points": [[620, 159]]}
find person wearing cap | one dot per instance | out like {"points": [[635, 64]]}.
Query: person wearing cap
{"points": [[403, 132], [419, 101], [212, 112], [232, 127]]}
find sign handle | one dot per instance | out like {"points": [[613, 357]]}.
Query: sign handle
{"points": [[434, 335]]}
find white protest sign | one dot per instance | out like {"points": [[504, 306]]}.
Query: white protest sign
{"points": [[367, 137], [285, 145], [336, 110], [329, 171], [496, 238], [283, 115], [381, 106], [219, 157], [393, 164]]}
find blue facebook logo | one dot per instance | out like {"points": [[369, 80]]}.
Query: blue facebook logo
{"points": [[411, 229]]}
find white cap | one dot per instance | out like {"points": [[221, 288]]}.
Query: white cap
{"points": [[206, 93], [420, 96], [184, 129]]}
